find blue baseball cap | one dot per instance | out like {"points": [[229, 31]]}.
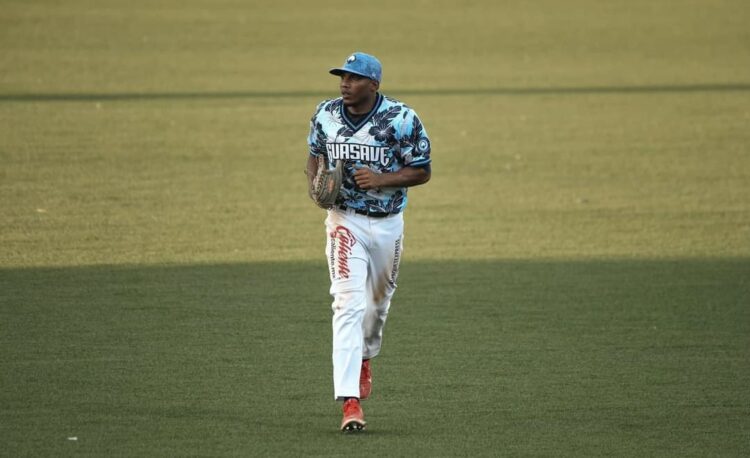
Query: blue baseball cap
{"points": [[361, 64]]}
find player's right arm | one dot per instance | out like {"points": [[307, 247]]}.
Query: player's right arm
{"points": [[311, 169], [316, 144]]}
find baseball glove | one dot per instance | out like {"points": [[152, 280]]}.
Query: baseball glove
{"points": [[325, 185]]}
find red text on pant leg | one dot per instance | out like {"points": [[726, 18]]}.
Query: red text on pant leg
{"points": [[342, 241]]}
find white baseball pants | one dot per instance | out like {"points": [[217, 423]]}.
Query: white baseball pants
{"points": [[363, 258]]}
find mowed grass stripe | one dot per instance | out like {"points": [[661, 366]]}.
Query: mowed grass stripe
{"points": [[519, 91]]}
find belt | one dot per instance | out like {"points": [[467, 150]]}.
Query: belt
{"points": [[366, 212]]}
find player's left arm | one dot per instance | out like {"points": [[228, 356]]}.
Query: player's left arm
{"points": [[415, 154], [403, 178]]}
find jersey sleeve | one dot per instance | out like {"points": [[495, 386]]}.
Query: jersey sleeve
{"points": [[316, 139], [415, 144]]}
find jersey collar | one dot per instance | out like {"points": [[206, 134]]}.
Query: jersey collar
{"points": [[365, 119]]}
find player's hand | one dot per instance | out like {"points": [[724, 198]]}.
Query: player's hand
{"points": [[367, 179]]}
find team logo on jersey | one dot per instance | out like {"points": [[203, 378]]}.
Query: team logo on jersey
{"points": [[351, 58], [357, 152], [423, 145]]}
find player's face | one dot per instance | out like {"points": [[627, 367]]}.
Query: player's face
{"points": [[357, 91]]}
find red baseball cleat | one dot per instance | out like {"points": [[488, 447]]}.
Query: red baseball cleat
{"points": [[354, 418], [365, 380]]}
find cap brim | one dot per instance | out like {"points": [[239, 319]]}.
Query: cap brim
{"points": [[341, 71]]}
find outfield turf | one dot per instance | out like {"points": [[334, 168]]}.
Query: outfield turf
{"points": [[576, 276]]}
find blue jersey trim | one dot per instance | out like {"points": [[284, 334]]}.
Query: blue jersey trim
{"points": [[421, 163], [363, 121]]}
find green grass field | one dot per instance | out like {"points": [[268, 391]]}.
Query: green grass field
{"points": [[576, 278]]}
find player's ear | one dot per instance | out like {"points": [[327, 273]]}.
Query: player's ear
{"points": [[375, 85]]}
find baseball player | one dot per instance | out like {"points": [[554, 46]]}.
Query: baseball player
{"points": [[384, 150]]}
